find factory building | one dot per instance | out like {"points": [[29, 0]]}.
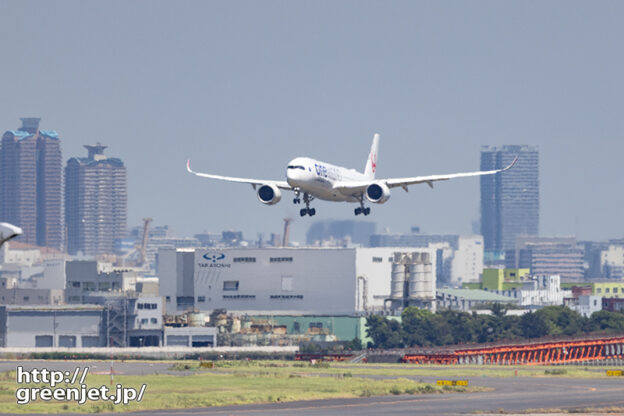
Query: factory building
{"points": [[586, 305], [87, 276], [52, 326], [190, 336], [466, 300], [281, 281], [536, 291], [459, 258], [130, 320]]}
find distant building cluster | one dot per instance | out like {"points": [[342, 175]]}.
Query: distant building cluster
{"points": [[91, 215], [88, 281]]}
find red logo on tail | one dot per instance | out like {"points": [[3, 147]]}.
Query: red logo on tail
{"points": [[373, 162]]}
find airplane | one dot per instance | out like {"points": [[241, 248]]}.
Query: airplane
{"points": [[319, 180], [8, 231]]}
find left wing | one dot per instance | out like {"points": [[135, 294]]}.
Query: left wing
{"points": [[360, 186], [252, 182]]}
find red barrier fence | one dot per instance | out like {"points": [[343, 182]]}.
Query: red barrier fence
{"points": [[555, 352]]}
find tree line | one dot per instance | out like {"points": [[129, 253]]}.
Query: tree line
{"points": [[421, 328]]}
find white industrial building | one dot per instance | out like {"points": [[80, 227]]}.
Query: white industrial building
{"points": [[327, 281], [52, 326], [87, 276], [539, 291], [586, 305], [459, 257], [612, 261]]}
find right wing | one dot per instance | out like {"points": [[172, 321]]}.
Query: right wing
{"points": [[403, 182], [356, 187], [252, 182]]}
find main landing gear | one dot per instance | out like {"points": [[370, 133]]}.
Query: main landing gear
{"points": [[361, 209], [306, 199]]}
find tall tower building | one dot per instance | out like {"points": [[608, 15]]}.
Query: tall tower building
{"points": [[31, 183], [95, 202], [509, 200]]}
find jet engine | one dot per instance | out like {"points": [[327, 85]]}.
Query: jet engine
{"points": [[269, 194], [378, 192]]}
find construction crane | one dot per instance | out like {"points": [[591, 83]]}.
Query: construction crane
{"points": [[143, 247], [137, 256]]}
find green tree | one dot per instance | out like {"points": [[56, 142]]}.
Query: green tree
{"points": [[415, 325], [606, 321], [533, 325], [386, 333], [498, 309], [561, 320], [463, 326]]}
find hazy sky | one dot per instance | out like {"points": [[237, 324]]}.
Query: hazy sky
{"points": [[243, 87]]}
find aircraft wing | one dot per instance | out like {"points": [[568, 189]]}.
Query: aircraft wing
{"points": [[252, 182], [360, 186], [8, 231]]}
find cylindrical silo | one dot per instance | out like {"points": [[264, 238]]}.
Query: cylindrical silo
{"points": [[429, 283], [397, 277], [416, 288]]}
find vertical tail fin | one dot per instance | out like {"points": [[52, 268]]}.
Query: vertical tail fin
{"points": [[371, 163]]}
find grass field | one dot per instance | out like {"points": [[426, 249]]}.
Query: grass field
{"points": [[404, 370], [228, 384]]}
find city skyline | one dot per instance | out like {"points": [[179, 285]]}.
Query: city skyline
{"points": [[214, 90]]}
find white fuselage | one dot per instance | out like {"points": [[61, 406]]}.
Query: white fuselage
{"points": [[318, 178]]}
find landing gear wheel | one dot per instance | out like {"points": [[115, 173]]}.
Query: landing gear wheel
{"points": [[296, 201], [311, 212], [303, 212], [358, 211], [366, 211]]}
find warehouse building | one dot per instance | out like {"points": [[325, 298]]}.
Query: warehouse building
{"points": [[52, 326], [323, 281]]}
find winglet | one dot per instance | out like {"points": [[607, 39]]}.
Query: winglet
{"points": [[188, 166], [511, 164]]}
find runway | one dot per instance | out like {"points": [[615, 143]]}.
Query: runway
{"points": [[509, 394]]}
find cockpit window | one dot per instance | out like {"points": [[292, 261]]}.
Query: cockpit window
{"points": [[296, 167]]}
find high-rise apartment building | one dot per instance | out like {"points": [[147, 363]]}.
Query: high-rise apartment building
{"points": [[509, 200], [31, 183], [548, 256], [95, 202]]}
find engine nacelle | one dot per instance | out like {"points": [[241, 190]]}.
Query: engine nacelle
{"points": [[378, 192], [269, 194]]}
